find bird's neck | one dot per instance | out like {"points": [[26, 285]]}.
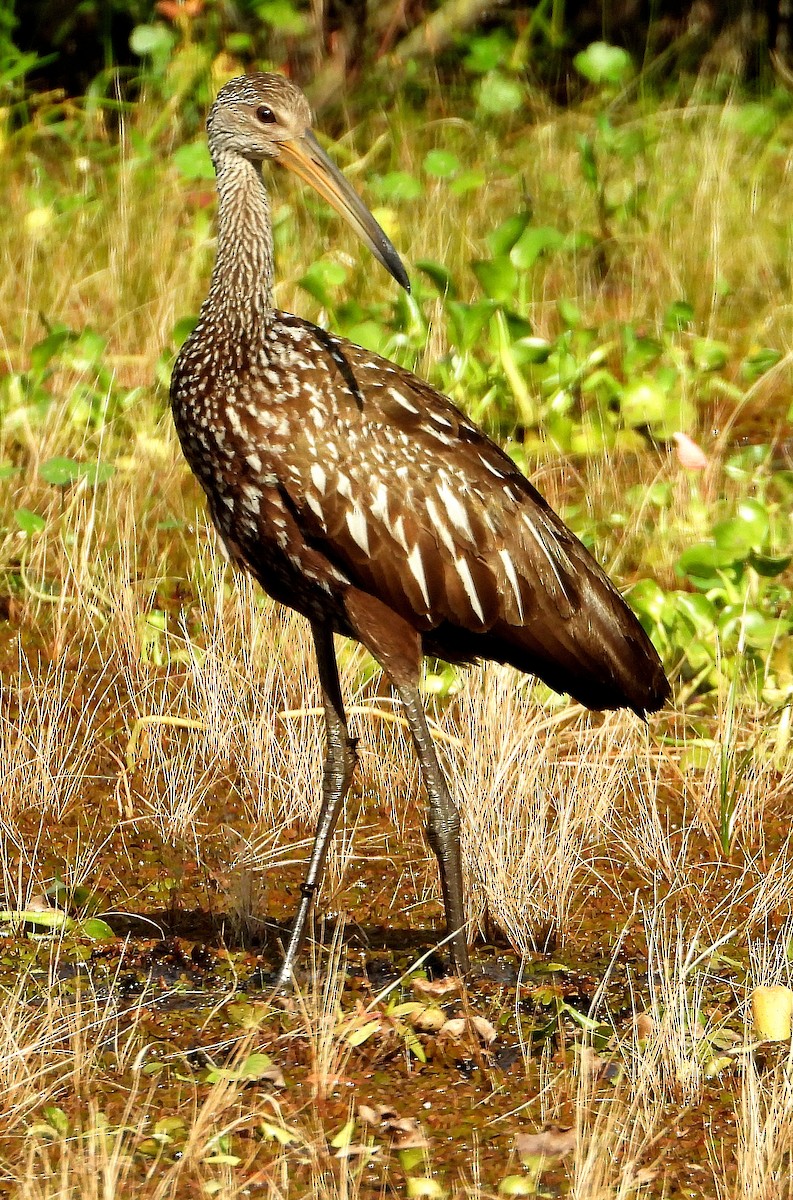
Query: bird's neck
{"points": [[242, 279]]}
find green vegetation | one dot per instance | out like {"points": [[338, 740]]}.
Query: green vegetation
{"points": [[606, 287]]}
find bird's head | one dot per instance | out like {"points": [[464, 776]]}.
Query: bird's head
{"points": [[264, 116]]}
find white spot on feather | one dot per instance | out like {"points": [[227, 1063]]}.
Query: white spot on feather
{"points": [[315, 506], [402, 402], [455, 510], [439, 526], [512, 576], [318, 478], [379, 505], [359, 530], [546, 550], [232, 416], [467, 580], [417, 571]]}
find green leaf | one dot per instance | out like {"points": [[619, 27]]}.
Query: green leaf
{"points": [[182, 329], [440, 275], [569, 312], [589, 166], [602, 63], [700, 611], [501, 239], [754, 119], [154, 39], [488, 51], [533, 242], [320, 277], [344, 1136], [411, 1157], [678, 315], [283, 16], [96, 929], [441, 163], [757, 362], [396, 186], [50, 346], [648, 599], [357, 1037], [702, 563], [48, 918], [255, 1066], [192, 161], [708, 355], [497, 277], [769, 565], [423, 1188], [28, 521], [468, 321], [7, 469], [278, 1133], [498, 95], [97, 472], [467, 181], [57, 1118], [746, 531], [60, 472]]}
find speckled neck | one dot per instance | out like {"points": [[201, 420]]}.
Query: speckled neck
{"points": [[241, 292]]}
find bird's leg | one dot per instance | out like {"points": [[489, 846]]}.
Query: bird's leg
{"points": [[397, 647], [340, 762], [443, 826]]}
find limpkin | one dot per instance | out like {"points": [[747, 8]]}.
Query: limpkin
{"points": [[364, 499]]}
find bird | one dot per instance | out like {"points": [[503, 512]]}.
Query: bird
{"points": [[358, 495]]}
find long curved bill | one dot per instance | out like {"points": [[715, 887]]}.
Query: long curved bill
{"points": [[305, 157]]}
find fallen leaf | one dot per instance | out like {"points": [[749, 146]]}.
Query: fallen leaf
{"points": [[590, 1063], [772, 1010], [457, 1027], [357, 1150], [429, 1020], [644, 1026], [436, 987], [689, 454], [409, 1134], [378, 1114], [549, 1143]]}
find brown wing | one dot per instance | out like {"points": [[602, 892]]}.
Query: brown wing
{"points": [[416, 505]]}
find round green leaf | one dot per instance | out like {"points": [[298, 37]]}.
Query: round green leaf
{"points": [[150, 39], [60, 472], [29, 522], [96, 929], [441, 163], [498, 94], [396, 186], [602, 63]]}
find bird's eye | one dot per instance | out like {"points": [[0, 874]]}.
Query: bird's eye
{"points": [[265, 115]]}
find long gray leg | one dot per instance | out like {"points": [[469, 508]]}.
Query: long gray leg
{"points": [[339, 765], [443, 827]]}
